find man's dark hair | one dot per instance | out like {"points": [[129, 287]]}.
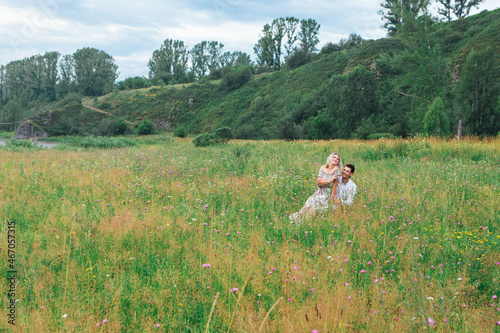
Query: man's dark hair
{"points": [[350, 166]]}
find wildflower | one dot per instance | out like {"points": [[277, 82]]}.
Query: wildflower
{"points": [[430, 321], [430, 298], [205, 265], [105, 321], [157, 325], [494, 296], [65, 315], [348, 298], [97, 325], [295, 267], [346, 284], [362, 271]]}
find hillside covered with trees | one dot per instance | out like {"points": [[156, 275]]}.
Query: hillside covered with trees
{"points": [[424, 78]]}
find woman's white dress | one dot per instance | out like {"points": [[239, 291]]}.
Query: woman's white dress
{"points": [[318, 201]]}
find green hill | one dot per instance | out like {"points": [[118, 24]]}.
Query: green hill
{"points": [[307, 103]]}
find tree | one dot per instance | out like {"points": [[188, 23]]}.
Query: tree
{"points": [[421, 68], [350, 101], [215, 53], [401, 13], [436, 122], [278, 30], [308, 35], [50, 74], [478, 92], [145, 127], [459, 8], [265, 48], [200, 56], [67, 70], [462, 8], [291, 25], [169, 62], [95, 71], [446, 10], [351, 41]]}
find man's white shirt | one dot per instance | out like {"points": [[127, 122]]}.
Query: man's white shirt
{"points": [[345, 192]]}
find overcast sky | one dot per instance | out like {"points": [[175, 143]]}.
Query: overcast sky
{"points": [[131, 30]]}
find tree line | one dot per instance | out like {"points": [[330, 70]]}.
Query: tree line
{"points": [[49, 77], [92, 72]]}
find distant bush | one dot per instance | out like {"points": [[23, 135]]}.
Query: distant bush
{"points": [[137, 82], [289, 130], [145, 127], [101, 142], [218, 136], [105, 105], [236, 78], [181, 131], [112, 126], [223, 134], [203, 140], [298, 58], [23, 144]]}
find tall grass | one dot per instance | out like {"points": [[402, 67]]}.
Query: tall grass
{"points": [[182, 239]]}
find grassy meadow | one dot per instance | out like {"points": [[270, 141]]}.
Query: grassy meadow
{"points": [[161, 236]]}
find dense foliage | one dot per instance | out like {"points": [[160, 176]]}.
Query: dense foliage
{"points": [[354, 88]]}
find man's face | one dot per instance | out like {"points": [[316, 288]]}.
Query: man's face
{"points": [[346, 173]]}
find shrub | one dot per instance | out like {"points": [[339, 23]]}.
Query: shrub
{"points": [[145, 127], [223, 134], [121, 128], [102, 142], [112, 126], [181, 131], [220, 135], [436, 122], [14, 143], [236, 78], [203, 140], [298, 58]]}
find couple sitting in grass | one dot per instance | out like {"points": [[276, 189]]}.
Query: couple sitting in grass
{"points": [[335, 187]]}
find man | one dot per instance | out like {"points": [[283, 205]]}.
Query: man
{"points": [[346, 189]]}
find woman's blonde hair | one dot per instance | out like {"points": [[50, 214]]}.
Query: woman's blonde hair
{"points": [[329, 159]]}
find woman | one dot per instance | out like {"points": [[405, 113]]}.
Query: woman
{"points": [[327, 179]]}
